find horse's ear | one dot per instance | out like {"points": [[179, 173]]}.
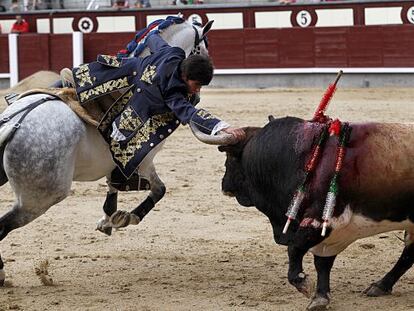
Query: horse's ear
{"points": [[207, 27], [271, 118]]}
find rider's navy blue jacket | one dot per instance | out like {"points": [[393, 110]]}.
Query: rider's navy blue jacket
{"points": [[152, 100]]}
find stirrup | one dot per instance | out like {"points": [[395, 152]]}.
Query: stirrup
{"points": [[66, 76]]}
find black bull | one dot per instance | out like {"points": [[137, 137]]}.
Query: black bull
{"points": [[376, 192]]}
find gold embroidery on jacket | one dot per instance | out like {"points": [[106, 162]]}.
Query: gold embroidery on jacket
{"points": [[116, 109], [128, 121], [83, 76], [149, 74], [205, 114], [125, 153], [104, 88], [111, 60]]}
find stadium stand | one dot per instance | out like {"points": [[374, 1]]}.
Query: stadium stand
{"points": [[107, 4]]}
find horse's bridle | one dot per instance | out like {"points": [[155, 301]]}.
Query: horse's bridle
{"points": [[196, 49]]}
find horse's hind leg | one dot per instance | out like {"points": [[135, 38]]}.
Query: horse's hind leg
{"points": [[8, 222], [2, 274], [13, 219], [406, 260]]}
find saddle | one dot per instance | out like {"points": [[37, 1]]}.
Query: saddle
{"points": [[93, 114]]}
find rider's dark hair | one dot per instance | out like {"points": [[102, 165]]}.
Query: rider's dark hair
{"points": [[197, 67]]}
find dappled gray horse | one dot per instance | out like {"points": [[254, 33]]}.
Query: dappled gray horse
{"points": [[52, 147]]}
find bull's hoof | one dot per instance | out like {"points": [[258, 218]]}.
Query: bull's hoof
{"points": [[305, 285], [318, 303], [121, 219], [104, 226], [374, 290]]}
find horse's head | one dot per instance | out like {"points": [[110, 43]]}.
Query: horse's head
{"points": [[200, 40], [191, 37]]}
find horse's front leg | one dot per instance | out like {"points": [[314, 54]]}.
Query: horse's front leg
{"points": [[122, 218], [110, 207]]}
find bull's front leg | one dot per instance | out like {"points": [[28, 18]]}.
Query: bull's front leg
{"points": [[296, 276], [122, 218], [320, 300]]}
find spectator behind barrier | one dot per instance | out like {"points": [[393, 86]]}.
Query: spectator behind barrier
{"points": [[20, 25], [41, 4], [184, 2], [180, 2], [15, 6], [120, 4], [142, 4]]}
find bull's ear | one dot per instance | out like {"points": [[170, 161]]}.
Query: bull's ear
{"points": [[271, 118], [225, 148], [235, 150], [207, 27]]}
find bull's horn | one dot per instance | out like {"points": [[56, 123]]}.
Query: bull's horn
{"points": [[219, 139]]}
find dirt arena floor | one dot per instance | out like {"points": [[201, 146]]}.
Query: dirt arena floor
{"points": [[197, 250]]}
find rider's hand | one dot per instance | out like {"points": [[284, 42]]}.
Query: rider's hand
{"points": [[237, 133]]}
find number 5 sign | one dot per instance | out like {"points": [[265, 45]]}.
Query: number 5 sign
{"points": [[410, 15], [304, 18]]}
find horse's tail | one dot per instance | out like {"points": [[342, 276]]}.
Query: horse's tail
{"points": [[3, 177], [5, 132]]}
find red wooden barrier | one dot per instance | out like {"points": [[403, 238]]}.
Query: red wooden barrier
{"points": [[4, 54]]}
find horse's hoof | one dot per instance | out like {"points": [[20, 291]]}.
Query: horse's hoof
{"points": [[106, 230], [134, 219], [104, 226], [375, 291], [318, 303], [121, 219], [306, 286]]}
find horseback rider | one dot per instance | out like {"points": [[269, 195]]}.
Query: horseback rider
{"points": [[153, 95]]}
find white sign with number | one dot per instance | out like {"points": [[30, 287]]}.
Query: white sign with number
{"points": [[303, 18], [410, 15]]}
